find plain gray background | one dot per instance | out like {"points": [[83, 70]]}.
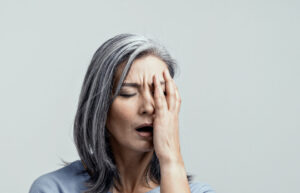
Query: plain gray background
{"points": [[239, 83]]}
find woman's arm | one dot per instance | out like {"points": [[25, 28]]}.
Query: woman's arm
{"points": [[166, 137], [174, 178]]}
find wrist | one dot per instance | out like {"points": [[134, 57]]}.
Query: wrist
{"points": [[171, 162], [173, 170]]}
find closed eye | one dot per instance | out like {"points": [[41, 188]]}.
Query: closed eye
{"points": [[127, 95], [130, 95]]}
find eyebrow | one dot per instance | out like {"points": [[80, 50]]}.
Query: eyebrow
{"points": [[136, 85]]}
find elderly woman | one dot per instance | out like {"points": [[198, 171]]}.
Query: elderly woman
{"points": [[126, 127]]}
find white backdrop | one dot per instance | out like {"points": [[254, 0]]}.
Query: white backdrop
{"points": [[239, 83]]}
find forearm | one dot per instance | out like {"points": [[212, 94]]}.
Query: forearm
{"points": [[174, 178]]}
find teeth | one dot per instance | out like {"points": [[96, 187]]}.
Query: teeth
{"points": [[147, 129]]}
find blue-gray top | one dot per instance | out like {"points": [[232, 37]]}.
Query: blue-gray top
{"points": [[67, 180]]}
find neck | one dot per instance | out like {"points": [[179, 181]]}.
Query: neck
{"points": [[132, 166]]}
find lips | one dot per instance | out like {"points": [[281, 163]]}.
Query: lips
{"points": [[145, 131], [145, 125]]}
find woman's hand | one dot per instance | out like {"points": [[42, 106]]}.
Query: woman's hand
{"points": [[166, 137], [166, 122]]}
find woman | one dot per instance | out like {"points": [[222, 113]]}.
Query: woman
{"points": [[126, 126]]}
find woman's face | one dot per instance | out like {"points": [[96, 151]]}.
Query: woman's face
{"points": [[135, 105]]}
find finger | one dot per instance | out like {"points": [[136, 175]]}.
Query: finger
{"points": [[159, 98], [170, 90], [178, 99]]}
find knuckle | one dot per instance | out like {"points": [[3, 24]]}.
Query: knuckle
{"points": [[172, 94], [179, 100], [160, 105], [161, 96]]}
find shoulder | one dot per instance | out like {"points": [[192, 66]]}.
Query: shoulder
{"points": [[199, 187], [66, 179], [44, 184]]}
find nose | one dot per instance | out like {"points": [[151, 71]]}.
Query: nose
{"points": [[147, 103]]}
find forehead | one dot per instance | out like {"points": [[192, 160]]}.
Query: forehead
{"points": [[144, 68]]}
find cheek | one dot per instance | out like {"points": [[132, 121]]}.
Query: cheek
{"points": [[121, 114]]}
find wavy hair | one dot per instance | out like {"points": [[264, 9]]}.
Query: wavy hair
{"points": [[97, 94]]}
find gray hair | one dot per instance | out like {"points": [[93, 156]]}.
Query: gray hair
{"points": [[90, 133]]}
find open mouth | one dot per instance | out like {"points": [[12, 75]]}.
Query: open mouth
{"points": [[145, 131]]}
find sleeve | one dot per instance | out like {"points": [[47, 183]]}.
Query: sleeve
{"points": [[201, 188], [44, 184]]}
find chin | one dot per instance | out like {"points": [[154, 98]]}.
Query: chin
{"points": [[145, 147]]}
